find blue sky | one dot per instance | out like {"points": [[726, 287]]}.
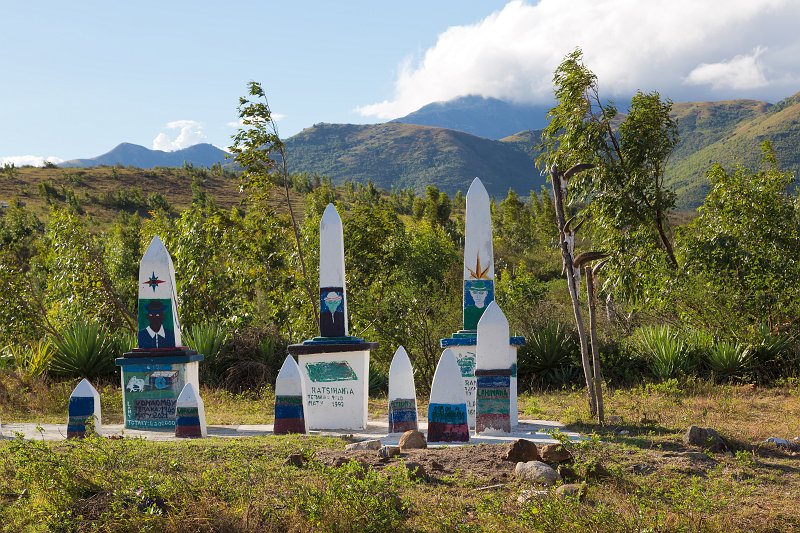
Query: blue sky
{"points": [[78, 78]]}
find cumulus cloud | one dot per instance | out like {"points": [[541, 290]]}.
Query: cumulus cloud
{"points": [[29, 160], [190, 132], [741, 72], [666, 45]]}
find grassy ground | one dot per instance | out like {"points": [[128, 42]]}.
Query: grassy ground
{"points": [[637, 472]]}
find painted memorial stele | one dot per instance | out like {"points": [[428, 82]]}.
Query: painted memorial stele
{"points": [[334, 366], [493, 373], [402, 394], [478, 295], [190, 414], [84, 408], [447, 410], [289, 415], [159, 328], [155, 372]]}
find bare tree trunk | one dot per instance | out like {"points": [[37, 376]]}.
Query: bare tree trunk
{"points": [[597, 377], [559, 188]]}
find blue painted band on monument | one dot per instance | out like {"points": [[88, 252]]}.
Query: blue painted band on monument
{"points": [[403, 415], [492, 382], [81, 406], [288, 411], [469, 340], [188, 420], [153, 363]]}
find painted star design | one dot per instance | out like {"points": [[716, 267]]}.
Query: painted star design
{"points": [[479, 273], [153, 282]]}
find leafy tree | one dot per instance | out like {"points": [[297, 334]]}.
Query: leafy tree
{"points": [[745, 247]]}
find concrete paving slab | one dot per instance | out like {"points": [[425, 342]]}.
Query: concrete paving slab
{"points": [[534, 430]]}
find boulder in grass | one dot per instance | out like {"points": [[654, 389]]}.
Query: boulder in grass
{"points": [[522, 450], [413, 440], [555, 453], [706, 438], [373, 444], [536, 472]]}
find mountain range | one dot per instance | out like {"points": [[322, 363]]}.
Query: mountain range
{"points": [[448, 144]]}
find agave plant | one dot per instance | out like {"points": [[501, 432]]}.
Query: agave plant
{"points": [[549, 354], [665, 352], [83, 351], [33, 359], [729, 360]]}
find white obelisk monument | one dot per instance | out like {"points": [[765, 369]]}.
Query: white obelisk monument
{"points": [[156, 371], [334, 366], [478, 295]]}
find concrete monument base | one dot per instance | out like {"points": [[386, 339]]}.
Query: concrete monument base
{"points": [[335, 372], [152, 380]]}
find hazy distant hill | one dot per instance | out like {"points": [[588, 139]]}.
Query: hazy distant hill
{"points": [[127, 154], [484, 117], [730, 133], [411, 156]]}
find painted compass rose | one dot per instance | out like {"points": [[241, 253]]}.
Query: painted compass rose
{"points": [[153, 282]]}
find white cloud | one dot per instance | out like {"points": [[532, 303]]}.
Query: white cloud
{"points": [[741, 72], [32, 160], [190, 133], [629, 44]]}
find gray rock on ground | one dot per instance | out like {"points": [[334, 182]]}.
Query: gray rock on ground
{"points": [[536, 472], [522, 451], [373, 444], [555, 453], [707, 438], [569, 490], [387, 452], [413, 440]]}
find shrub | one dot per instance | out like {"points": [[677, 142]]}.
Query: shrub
{"points": [[34, 359], [549, 356], [82, 351], [378, 381], [253, 357], [729, 360], [664, 350], [207, 339], [772, 354]]}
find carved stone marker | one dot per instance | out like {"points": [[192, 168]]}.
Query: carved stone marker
{"points": [[155, 372], [493, 374], [402, 394], [84, 405], [478, 295], [289, 417], [334, 366], [447, 410], [190, 414]]}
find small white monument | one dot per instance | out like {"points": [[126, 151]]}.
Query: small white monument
{"points": [[447, 410], [289, 417], [493, 374], [190, 414], [334, 366], [478, 295], [84, 405], [402, 394]]}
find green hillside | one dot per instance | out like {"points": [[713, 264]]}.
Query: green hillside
{"points": [[410, 156]]}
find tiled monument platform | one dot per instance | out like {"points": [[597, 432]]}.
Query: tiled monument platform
{"points": [[534, 430]]}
